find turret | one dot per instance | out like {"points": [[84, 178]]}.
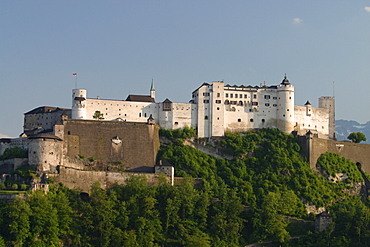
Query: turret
{"points": [[285, 111], [79, 104]]}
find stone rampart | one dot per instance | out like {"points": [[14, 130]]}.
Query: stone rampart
{"points": [[83, 180], [134, 145], [313, 147]]}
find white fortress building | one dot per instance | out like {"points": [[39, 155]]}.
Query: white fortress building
{"points": [[217, 108]]}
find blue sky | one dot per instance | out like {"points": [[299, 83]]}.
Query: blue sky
{"points": [[117, 47]]}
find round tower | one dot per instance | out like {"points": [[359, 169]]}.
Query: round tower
{"points": [[285, 111], [79, 104]]}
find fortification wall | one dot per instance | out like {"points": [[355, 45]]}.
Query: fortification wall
{"points": [[134, 145], [355, 152], [83, 180]]}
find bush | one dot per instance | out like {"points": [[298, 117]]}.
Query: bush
{"points": [[14, 152]]}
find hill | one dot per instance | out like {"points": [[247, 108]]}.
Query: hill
{"points": [[261, 193]]}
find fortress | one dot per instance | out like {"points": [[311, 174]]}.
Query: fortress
{"points": [[108, 140], [216, 108]]}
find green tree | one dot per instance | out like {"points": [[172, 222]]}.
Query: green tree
{"points": [[16, 221], [98, 115], [356, 137]]}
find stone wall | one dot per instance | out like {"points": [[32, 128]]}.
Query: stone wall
{"points": [[83, 180], [313, 147], [134, 145]]}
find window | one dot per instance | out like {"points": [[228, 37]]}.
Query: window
{"points": [[239, 120], [144, 114], [176, 123], [218, 108], [240, 95], [240, 103], [263, 120], [254, 103], [267, 97], [236, 95], [267, 104], [227, 95], [206, 101], [206, 117], [254, 96], [274, 98], [275, 105], [245, 96], [218, 101], [227, 102], [251, 120], [205, 94], [139, 114], [231, 95], [218, 95]]}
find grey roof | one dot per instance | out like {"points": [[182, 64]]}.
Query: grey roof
{"points": [[44, 109], [45, 136], [140, 98]]}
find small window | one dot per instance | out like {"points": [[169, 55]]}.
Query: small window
{"points": [[236, 95], [227, 102], [267, 104], [231, 95], [144, 114], [139, 114], [239, 120], [227, 95], [263, 120], [218, 108], [218, 95], [206, 117], [254, 96], [176, 123], [245, 96], [267, 97], [240, 95], [218, 101], [251, 120]]}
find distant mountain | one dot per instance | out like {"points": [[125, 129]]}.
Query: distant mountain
{"points": [[345, 127]]}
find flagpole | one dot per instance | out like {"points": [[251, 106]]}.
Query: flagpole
{"points": [[75, 75], [333, 89]]}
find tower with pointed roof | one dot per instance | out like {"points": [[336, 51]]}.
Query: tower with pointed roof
{"points": [[285, 110], [152, 90]]}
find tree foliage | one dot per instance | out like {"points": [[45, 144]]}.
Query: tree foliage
{"points": [[240, 201], [356, 137], [14, 152]]}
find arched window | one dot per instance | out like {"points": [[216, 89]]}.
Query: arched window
{"points": [[227, 102], [140, 114], [263, 120], [240, 103]]}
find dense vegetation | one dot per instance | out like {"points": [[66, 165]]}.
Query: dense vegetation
{"points": [[240, 201], [14, 152]]}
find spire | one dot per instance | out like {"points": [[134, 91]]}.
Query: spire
{"points": [[152, 90], [152, 86]]}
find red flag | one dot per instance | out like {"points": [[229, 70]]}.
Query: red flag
{"points": [[74, 74]]}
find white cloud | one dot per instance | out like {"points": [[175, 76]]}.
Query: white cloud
{"points": [[367, 8], [297, 20]]}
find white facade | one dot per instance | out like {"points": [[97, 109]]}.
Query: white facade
{"points": [[216, 108]]}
